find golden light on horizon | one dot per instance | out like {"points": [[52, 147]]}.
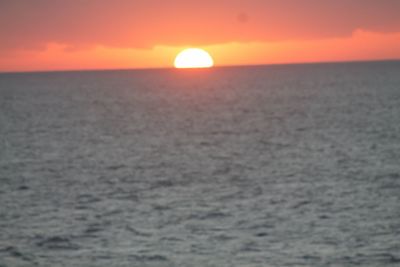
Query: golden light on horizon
{"points": [[140, 34], [193, 58]]}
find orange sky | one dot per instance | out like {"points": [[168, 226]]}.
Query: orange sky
{"points": [[105, 34]]}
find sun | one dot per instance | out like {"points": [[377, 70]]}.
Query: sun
{"points": [[193, 58]]}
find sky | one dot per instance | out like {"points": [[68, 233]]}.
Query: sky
{"points": [[118, 34]]}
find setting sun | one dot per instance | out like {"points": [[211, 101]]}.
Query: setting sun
{"points": [[193, 58]]}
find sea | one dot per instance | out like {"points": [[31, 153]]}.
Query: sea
{"points": [[284, 165]]}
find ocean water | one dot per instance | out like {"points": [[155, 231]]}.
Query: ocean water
{"points": [[255, 166]]}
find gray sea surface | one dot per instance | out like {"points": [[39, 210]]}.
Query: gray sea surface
{"points": [[250, 166]]}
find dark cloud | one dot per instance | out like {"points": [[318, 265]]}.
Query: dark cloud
{"points": [[145, 23]]}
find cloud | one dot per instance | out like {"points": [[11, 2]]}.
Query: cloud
{"points": [[27, 24]]}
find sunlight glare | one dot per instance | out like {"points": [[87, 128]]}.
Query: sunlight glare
{"points": [[193, 58]]}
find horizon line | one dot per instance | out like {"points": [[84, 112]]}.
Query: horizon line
{"points": [[216, 66]]}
